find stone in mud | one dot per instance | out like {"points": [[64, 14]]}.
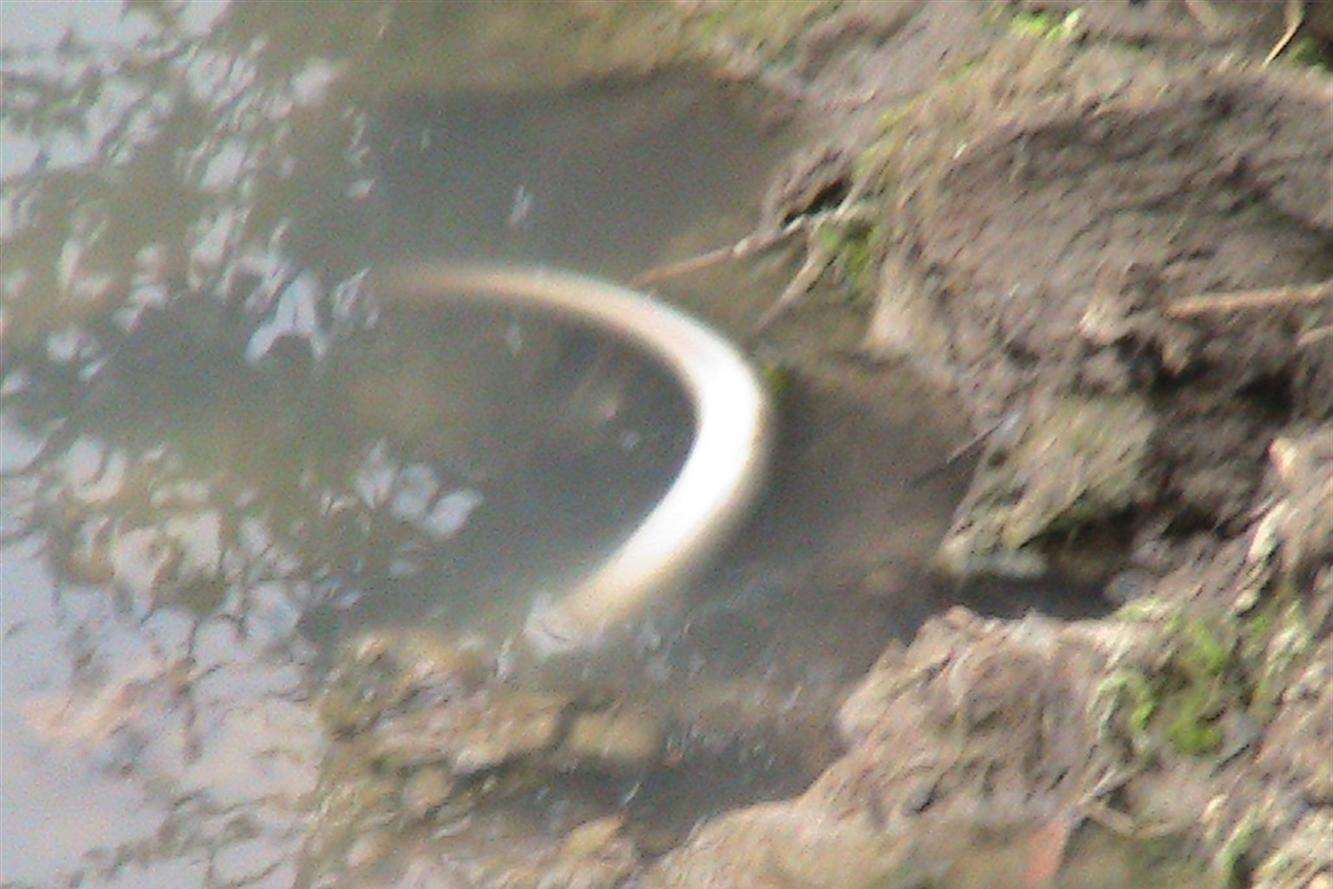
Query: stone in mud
{"points": [[426, 791], [385, 670], [777, 846], [1302, 522], [370, 849], [592, 837], [425, 660], [506, 728], [1078, 462], [473, 734], [616, 739], [594, 855], [906, 321]]}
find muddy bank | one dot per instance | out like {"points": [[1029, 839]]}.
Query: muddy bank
{"points": [[1109, 231]]}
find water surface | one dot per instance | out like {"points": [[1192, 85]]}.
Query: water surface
{"points": [[225, 455]]}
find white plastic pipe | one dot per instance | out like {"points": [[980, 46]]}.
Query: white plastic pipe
{"points": [[722, 472]]}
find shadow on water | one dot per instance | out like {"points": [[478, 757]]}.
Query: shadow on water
{"points": [[223, 456]]}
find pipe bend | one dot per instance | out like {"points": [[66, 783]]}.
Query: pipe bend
{"points": [[722, 472]]}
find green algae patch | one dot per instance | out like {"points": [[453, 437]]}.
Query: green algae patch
{"points": [[1207, 675], [1047, 25], [857, 248]]}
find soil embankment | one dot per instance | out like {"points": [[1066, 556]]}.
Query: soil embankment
{"points": [[1110, 231]]}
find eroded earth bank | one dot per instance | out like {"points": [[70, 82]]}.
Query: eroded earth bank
{"points": [[1110, 230]]}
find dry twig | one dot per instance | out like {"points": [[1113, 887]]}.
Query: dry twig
{"points": [[1202, 11], [817, 259], [1294, 14], [1310, 337], [752, 244], [1241, 300], [756, 242]]}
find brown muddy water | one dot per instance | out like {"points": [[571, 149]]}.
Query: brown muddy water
{"points": [[224, 459]]}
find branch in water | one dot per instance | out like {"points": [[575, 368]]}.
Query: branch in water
{"points": [[754, 243]]}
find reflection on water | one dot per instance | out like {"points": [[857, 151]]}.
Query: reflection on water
{"points": [[223, 455]]}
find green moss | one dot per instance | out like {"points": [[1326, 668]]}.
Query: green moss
{"points": [[1194, 709], [1230, 858], [1199, 683], [857, 249], [778, 379], [1308, 53], [1046, 25], [1138, 693], [1204, 653], [1210, 664], [1274, 640]]}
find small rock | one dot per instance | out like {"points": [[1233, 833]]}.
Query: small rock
{"points": [[507, 728], [1128, 586], [593, 856], [1318, 790], [1077, 462], [370, 648], [618, 739], [473, 734], [407, 743], [587, 839], [369, 849], [426, 791]]}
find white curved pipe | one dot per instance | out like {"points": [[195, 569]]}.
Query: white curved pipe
{"points": [[722, 472]]}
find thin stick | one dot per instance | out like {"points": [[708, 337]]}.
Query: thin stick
{"points": [[1310, 337], [960, 451], [685, 266], [1294, 13], [1105, 816], [1205, 15], [817, 260], [751, 244], [755, 242], [1240, 300]]}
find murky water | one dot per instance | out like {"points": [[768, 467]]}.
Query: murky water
{"points": [[224, 457]]}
